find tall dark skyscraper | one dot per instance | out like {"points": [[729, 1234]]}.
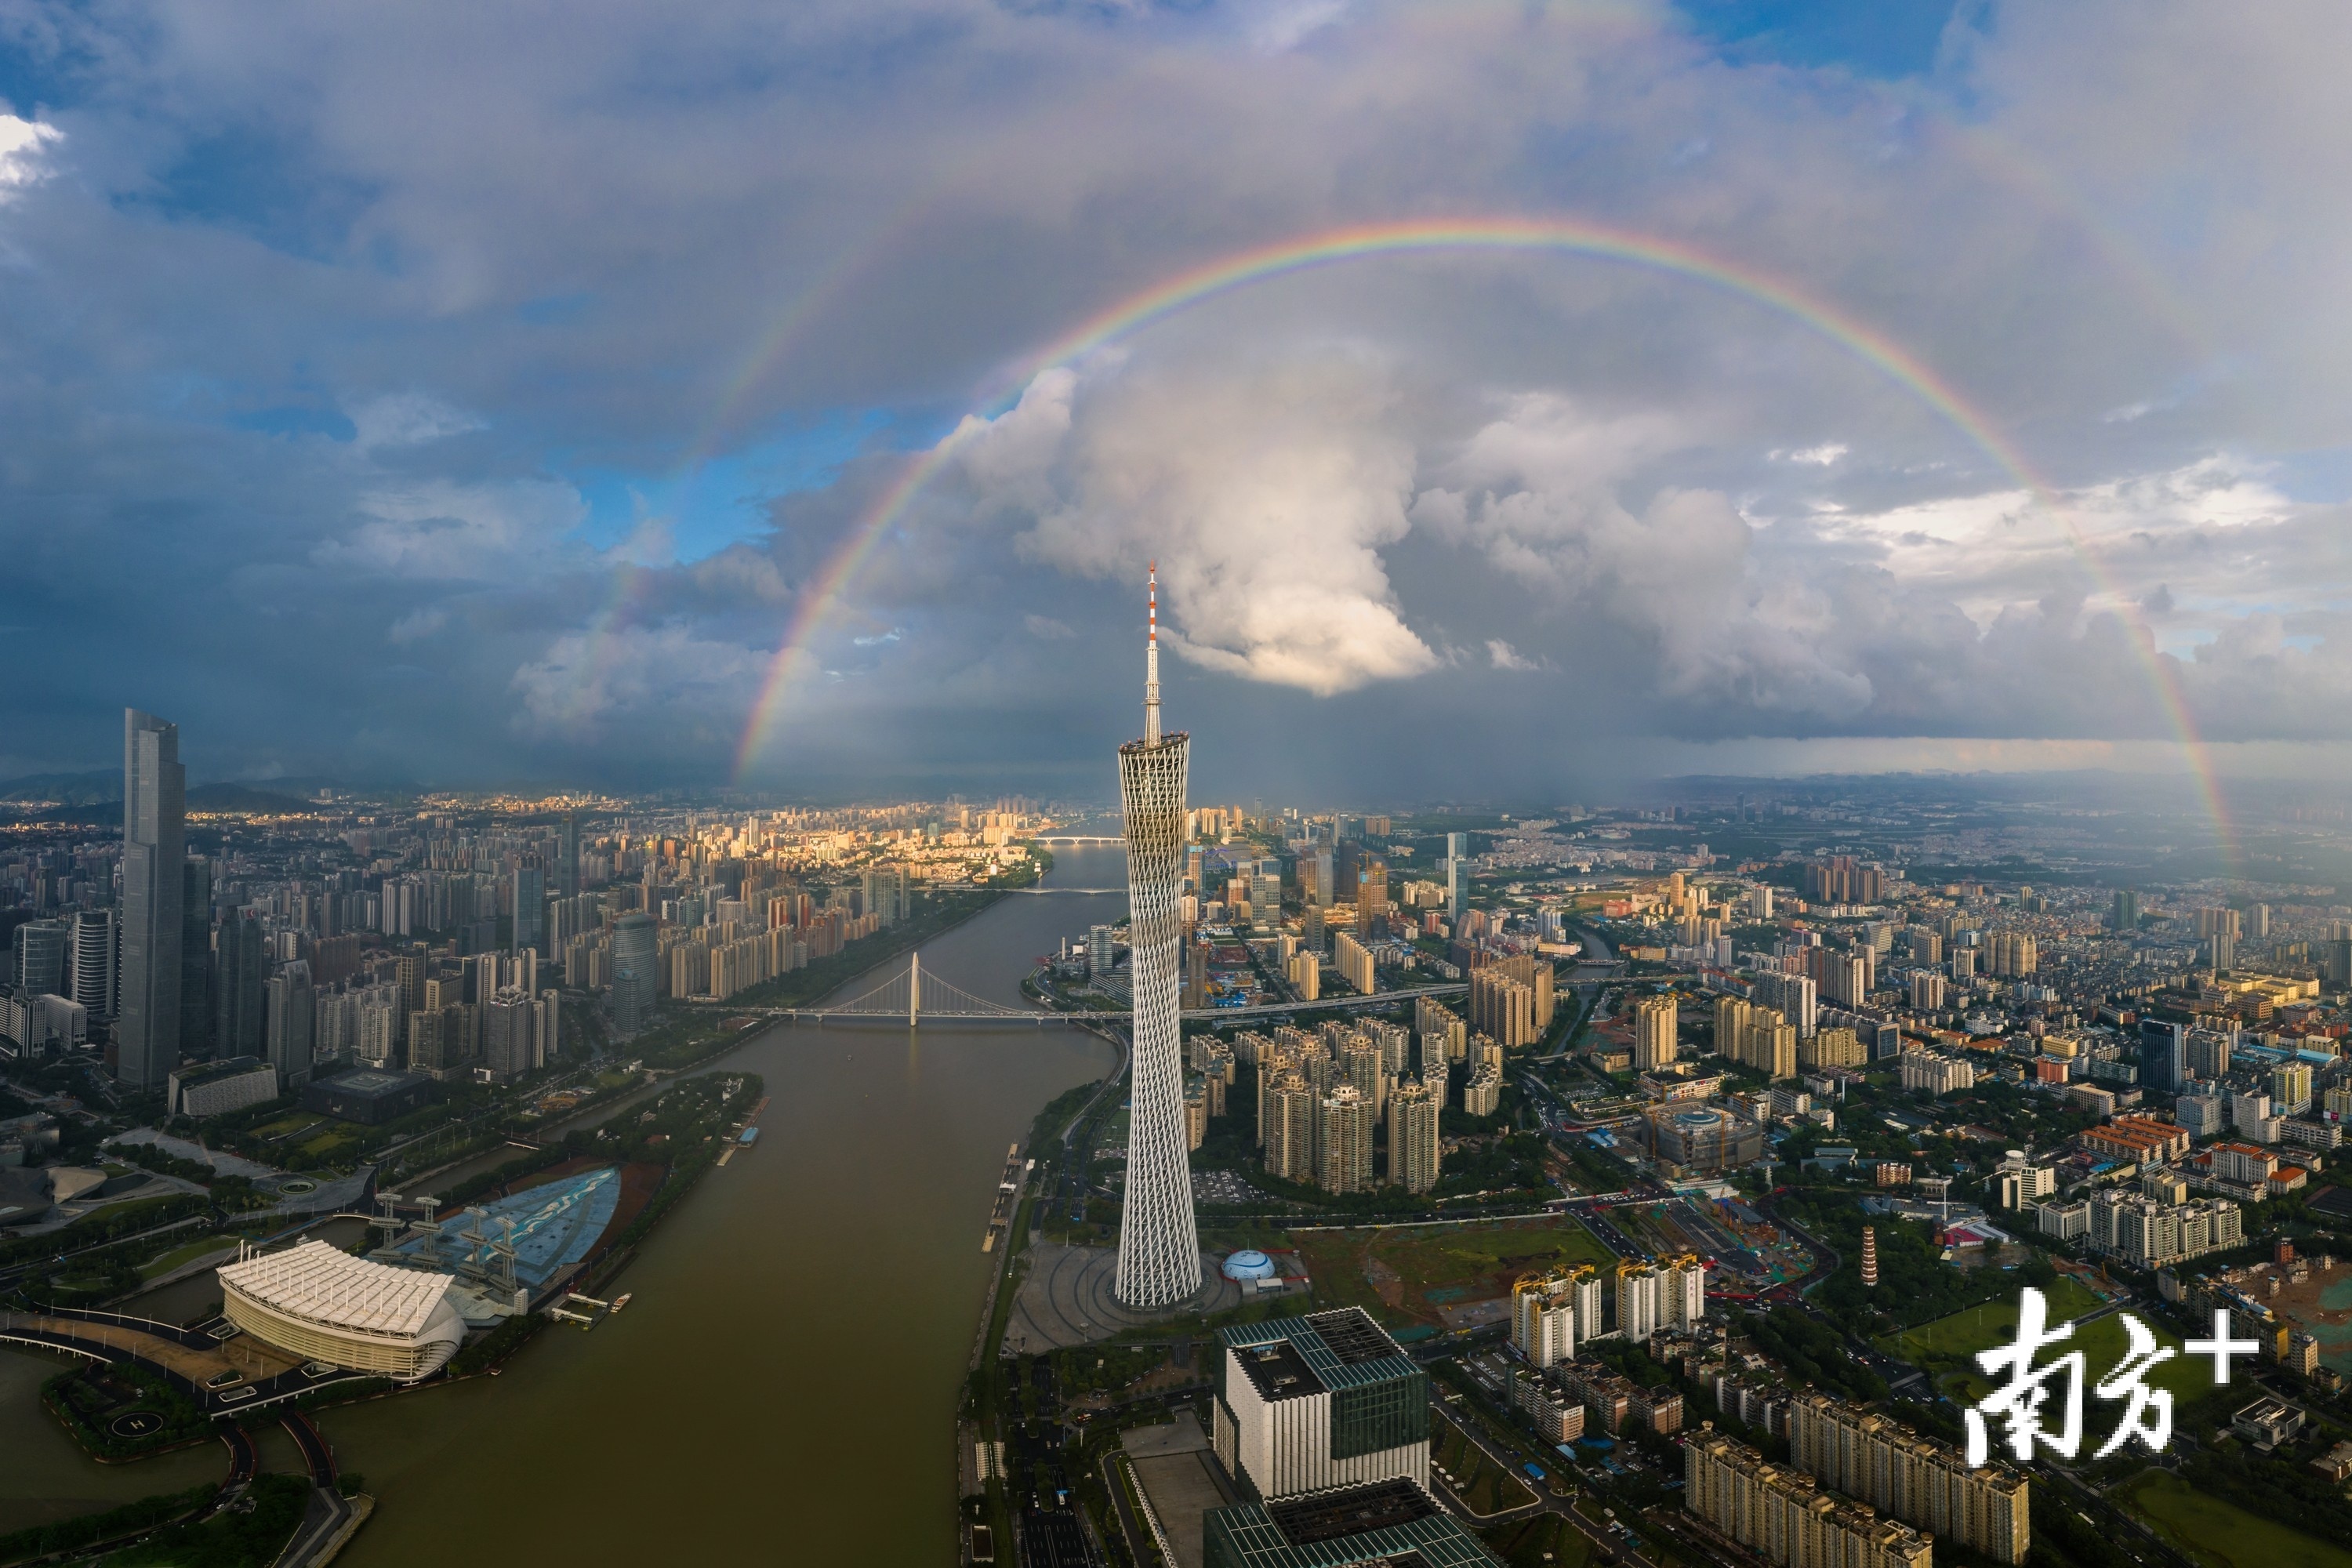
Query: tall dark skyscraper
{"points": [[2163, 1056], [195, 959], [567, 857], [529, 905], [237, 971], [37, 959], [154, 845]]}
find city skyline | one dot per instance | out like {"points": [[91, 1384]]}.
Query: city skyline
{"points": [[1743, 818], [1803, 392]]}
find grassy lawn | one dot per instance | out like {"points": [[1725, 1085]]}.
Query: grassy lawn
{"points": [[1545, 1539], [1403, 1276], [1477, 1480], [1964, 1333], [299, 1122], [179, 1255], [2223, 1534], [326, 1144], [1947, 1346]]}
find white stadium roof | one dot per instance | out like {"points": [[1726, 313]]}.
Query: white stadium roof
{"points": [[327, 1285]]}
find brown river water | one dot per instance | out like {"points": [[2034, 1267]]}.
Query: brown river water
{"points": [[783, 1385]]}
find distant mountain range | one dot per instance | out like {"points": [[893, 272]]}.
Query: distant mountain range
{"points": [[64, 789], [78, 795]]}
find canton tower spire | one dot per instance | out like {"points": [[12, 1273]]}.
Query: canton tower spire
{"points": [[1158, 1247], [1152, 664]]}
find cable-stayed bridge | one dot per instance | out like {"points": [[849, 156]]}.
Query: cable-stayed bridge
{"points": [[911, 996]]}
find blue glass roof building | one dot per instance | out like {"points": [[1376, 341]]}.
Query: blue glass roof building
{"points": [[555, 1226]]}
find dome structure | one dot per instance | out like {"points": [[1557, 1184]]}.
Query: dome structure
{"points": [[1248, 1264]]}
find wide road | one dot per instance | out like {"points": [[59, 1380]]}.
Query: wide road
{"points": [[1512, 1459]]}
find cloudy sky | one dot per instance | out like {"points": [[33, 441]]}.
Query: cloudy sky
{"points": [[472, 395]]}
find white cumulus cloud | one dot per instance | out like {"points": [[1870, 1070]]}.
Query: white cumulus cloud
{"points": [[1265, 494], [23, 146]]}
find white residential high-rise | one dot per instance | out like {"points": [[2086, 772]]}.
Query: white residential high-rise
{"points": [[155, 838], [1682, 1293], [1637, 1300], [1159, 1248]]}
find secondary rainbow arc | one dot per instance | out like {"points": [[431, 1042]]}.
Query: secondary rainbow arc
{"points": [[1359, 242]]}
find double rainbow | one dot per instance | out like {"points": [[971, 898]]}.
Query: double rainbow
{"points": [[1362, 242]]}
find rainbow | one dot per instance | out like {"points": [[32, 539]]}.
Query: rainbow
{"points": [[1331, 247]]}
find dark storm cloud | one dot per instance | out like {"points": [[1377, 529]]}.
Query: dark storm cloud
{"points": [[327, 331]]}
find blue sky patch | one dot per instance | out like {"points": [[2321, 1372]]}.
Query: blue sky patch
{"points": [[1870, 38], [712, 505]]}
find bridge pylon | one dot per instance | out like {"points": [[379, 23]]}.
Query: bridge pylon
{"points": [[915, 989]]}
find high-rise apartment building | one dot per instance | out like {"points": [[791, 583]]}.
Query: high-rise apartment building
{"points": [[1682, 1292], [1879, 1461], [1758, 1038], [1414, 1144], [2011, 955], [1344, 1141], [1543, 1321], [1159, 1248], [1289, 1110], [1512, 999], [1445, 1036], [512, 1042], [1637, 1299], [1839, 1047], [1935, 1072], [1553, 1313], [1847, 978], [1783, 1515], [1655, 1020], [1306, 975], [1795, 996], [885, 889], [154, 845], [2291, 1088], [1353, 960], [89, 961]]}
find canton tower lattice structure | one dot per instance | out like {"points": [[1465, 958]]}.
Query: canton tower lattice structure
{"points": [[1159, 1250]]}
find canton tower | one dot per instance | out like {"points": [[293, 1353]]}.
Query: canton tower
{"points": [[1159, 1250]]}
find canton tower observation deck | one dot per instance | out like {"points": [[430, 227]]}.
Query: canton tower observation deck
{"points": [[1159, 1248]]}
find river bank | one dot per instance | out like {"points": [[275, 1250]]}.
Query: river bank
{"points": [[800, 1330], [807, 1311]]}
